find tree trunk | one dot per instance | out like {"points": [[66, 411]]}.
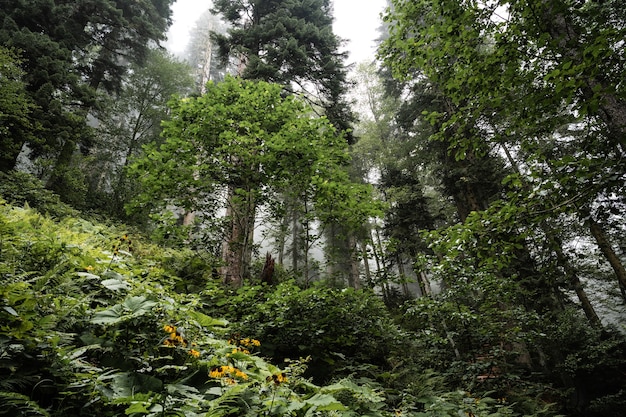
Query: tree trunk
{"points": [[295, 240], [237, 247], [609, 253], [381, 267], [403, 277], [353, 275], [572, 277], [284, 229], [307, 242], [426, 282], [366, 264], [57, 180]]}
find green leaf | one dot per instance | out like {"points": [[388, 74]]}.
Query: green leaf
{"points": [[10, 310], [88, 275], [131, 307], [207, 321], [115, 284], [325, 402], [110, 316]]}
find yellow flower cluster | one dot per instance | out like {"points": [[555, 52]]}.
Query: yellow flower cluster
{"points": [[176, 339], [243, 345], [123, 240], [247, 342], [277, 378], [229, 373]]}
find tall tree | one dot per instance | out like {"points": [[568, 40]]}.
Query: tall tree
{"points": [[72, 49], [535, 75], [130, 119], [247, 140], [16, 128], [202, 52], [289, 42]]}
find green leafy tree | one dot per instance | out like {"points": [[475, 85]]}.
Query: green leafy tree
{"points": [[543, 75], [245, 139], [292, 43], [131, 119], [525, 79]]}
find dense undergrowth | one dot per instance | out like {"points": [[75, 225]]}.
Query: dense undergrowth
{"points": [[96, 320]]}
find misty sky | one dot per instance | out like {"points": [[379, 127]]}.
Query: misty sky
{"points": [[355, 20]]}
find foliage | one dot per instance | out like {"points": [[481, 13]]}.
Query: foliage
{"points": [[290, 43], [518, 80], [102, 331], [248, 140], [342, 330], [20, 188], [128, 120], [16, 128], [68, 52]]}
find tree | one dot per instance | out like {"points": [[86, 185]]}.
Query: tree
{"points": [[289, 42], [292, 43], [530, 83], [247, 140], [131, 119], [534, 83], [69, 51], [16, 128], [202, 51]]}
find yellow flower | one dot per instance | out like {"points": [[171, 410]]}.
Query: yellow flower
{"points": [[256, 342], [194, 353], [169, 329], [217, 372], [89, 268], [278, 378], [240, 374]]}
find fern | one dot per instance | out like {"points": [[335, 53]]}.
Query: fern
{"points": [[18, 405]]}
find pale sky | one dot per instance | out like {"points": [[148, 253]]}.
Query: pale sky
{"points": [[356, 21]]}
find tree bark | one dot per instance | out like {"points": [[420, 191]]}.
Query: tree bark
{"points": [[353, 276], [295, 240], [366, 264], [609, 253], [237, 247], [573, 279]]}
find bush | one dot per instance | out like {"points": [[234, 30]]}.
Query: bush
{"points": [[20, 188], [344, 331]]}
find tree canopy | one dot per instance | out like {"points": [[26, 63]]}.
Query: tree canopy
{"points": [[248, 139], [290, 42]]}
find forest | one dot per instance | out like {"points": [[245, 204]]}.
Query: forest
{"points": [[258, 228]]}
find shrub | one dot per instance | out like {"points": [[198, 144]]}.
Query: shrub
{"points": [[344, 331], [20, 188]]}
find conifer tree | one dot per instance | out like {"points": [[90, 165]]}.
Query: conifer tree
{"points": [[70, 50], [289, 42]]}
